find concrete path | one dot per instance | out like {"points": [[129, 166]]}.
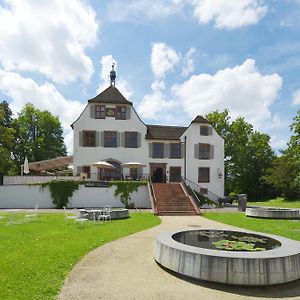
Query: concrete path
{"points": [[125, 269]]}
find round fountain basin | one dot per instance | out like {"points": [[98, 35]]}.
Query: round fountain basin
{"points": [[273, 213], [233, 257]]}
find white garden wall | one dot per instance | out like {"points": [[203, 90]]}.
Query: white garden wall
{"points": [[26, 196]]}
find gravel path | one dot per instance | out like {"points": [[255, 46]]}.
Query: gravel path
{"points": [[125, 269]]}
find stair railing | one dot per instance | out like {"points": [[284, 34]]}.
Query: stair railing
{"points": [[192, 195], [196, 187], [152, 195]]}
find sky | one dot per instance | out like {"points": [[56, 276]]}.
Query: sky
{"points": [[175, 59]]}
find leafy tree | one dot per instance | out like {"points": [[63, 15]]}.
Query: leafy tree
{"points": [[6, 139], [247, 155], [6, 119], [39, 135], [285, 172]]}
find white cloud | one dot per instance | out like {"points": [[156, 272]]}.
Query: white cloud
{"points": [[120, 10], [48, 37], [241, 89], [188, 63], [106, 66], [296, 98], [278, 142], [229, 14], [153, 104], [163, 59], [46, 97]]}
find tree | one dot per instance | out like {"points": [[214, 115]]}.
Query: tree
{"points": [[38, 135], [284, 175], [247, 155], [6, 119], [6, 139]]}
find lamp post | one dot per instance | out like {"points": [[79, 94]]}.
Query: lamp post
{"points": [[184, 142]]}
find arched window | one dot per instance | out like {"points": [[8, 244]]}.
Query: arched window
{"points": [[113, 174]]}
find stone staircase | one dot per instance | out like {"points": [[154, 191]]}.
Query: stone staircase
{"points": [[172, 200]]}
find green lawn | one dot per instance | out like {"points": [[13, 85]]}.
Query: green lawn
{"points": [[278, 202], [37, 256], [287, 228]]}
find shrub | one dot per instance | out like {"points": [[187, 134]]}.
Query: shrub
{"points": [[61, 191], [125, 189]]}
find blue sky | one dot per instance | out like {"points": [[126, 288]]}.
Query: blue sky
{"points": [[175, 59]]}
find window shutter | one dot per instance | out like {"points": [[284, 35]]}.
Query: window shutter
{"points": [[80, 138], [166, 150], [210, 131], [150, 150], [92, 111], [139, 139], [97, 138], [182, 150], [196, 154], [122, 143], [128, 112], [118, 139], [101, 138], [79, 170], [212, 150], [139, 171]]}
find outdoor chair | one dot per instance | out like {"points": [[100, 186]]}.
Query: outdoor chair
{"points": [[34, 214], [70, 215], [106, 212], [81, 218]]}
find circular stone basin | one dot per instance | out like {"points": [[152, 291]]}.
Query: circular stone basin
{"points": [[116, 213], [233, 257], [273, 213]]}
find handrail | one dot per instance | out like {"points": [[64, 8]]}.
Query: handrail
{"points": [[152, 195], [191, 195], [196, 187]]}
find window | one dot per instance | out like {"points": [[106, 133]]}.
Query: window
{"points": [[121, 112], [158, 150], [89, 138], [204, 151], [175, 150], [203, 174], [110, 138], [204, 130], [87, 171], [131, 139], [100, 112]]}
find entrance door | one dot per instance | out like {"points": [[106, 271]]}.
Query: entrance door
{"points": [[175, 174], [158, 175]]}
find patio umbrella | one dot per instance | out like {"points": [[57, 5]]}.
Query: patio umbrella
{"points": [[26, 166], [103, 165], [133, 164]]}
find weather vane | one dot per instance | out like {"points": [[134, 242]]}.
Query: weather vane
{"points": [[113, 75]]}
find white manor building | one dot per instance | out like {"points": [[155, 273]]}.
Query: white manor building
{"points": [[109, 129]]}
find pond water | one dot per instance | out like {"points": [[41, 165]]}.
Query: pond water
{"points": [[226, 240]]}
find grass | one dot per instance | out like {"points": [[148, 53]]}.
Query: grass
{"points": [[287, 228], [278, 202], [37, 256]]}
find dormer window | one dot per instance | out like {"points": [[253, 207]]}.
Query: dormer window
{"points": [[100, 112], [120, 112]]}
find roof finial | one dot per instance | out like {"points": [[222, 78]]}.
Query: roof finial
{"points": [[113, 75]]}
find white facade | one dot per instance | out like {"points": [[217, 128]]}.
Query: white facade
{"points": [[85, 156]]}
